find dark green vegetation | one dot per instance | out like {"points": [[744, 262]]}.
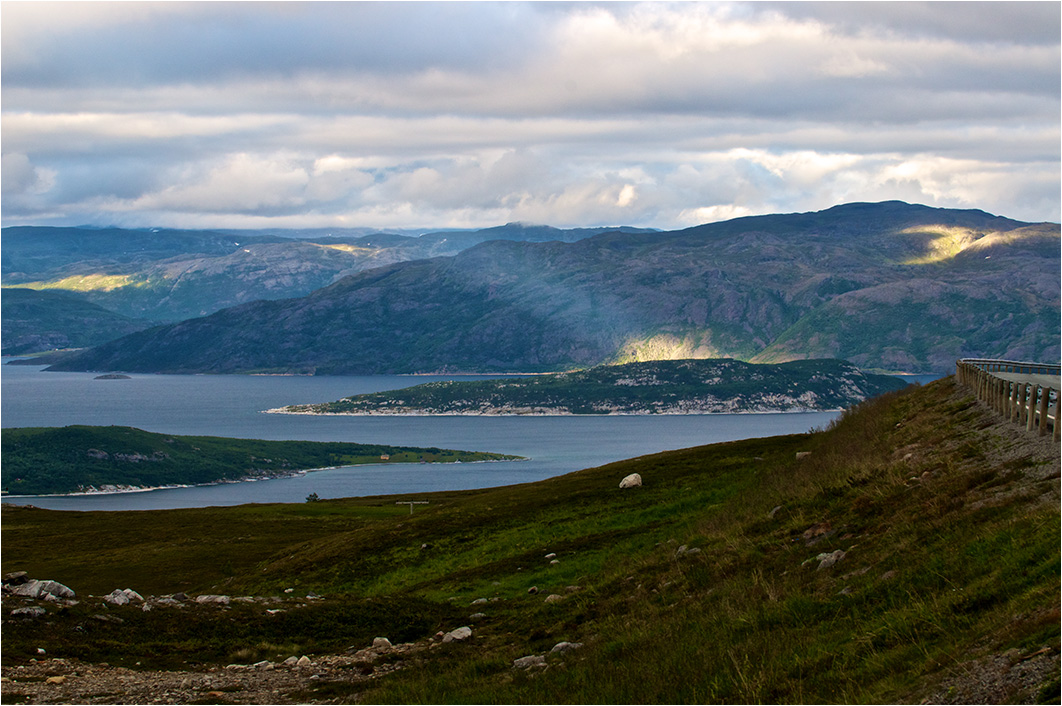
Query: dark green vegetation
{"points": [[660, 387], [887, 286], [948, 519], [41, 321], [39, 460], [169, 275]]}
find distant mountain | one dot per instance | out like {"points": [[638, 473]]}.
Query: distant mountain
{"points": [[889, 286], [170, 275], [31, 322], [658, 387]]}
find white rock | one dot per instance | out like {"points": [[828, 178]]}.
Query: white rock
{"points": [[223, 600], [551, 555], [457, 635], [56, 589], [634, 480], [381, 643], [132, 595], [566, 646], [554, 598], [117, 597], [529, 662], [828, 560], [291, 661], [303, 661]]}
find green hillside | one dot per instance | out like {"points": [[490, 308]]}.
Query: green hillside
{"points": [[907, 554], [40, 460]]}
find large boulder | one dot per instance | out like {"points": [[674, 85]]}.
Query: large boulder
{"points": [[43, 590], [634, 480]]}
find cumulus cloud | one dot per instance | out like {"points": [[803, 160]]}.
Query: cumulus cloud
{"points": [[432, 114]]}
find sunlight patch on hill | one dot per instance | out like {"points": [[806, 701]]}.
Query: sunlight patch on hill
{"points": [[949, 242], [88, 283]]}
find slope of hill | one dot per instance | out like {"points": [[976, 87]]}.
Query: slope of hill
{"points": [[912, 556], [889, 286], [659, 387], [42, 321], [169, 275]]}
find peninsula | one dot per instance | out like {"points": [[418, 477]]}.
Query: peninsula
{"points": [[710, 386], [87, 459]]}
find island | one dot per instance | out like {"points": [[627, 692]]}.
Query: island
{"points": [[94, 459], [690, 386]]}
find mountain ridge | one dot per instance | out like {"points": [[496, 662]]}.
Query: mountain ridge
{"points": [[717, 290]]}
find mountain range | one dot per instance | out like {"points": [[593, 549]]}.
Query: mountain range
{"points": [[888, 286], [170, 275]]}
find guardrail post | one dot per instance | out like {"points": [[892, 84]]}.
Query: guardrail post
{"points": [[1045, 398], [1031, 421]]}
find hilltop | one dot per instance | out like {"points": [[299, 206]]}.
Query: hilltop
{"points": [[908, 553], [659, 387], [889, 286]]}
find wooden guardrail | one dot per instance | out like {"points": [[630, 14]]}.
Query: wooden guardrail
{"points": [[1032, 405]]}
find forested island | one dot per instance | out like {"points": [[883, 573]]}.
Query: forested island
{"points": [[87, 459], [660, 387]]}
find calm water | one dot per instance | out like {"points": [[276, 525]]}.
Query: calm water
{"points": [[230, 405]]}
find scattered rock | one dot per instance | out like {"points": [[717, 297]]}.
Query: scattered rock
{"points": [[381, 643], [462, 633], [529, 662], [533, 590], [55, 680], [179, 596], [479, 601], [828, 560], [802, 454], [554, 562], [108, 619], [303, 661], [684, 550], [634, 480], [28, 612], [117, 597], [16, 578], [562, 647], [554, 598], [774, 511], [817, 532], [477, 616], [890, 574], [572, 589], [210, 598], [40, 589], [290, 661], [265, 665]]}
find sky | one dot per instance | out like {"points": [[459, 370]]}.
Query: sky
{"points": [[461, 115]]}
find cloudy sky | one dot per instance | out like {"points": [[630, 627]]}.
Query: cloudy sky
{"points": [[410, 114]]}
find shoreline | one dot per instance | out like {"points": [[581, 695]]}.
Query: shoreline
{"points": [[293, 474], [283, 410]]}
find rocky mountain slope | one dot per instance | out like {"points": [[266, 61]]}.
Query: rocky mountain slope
{"points": [[658, 387], [890, 286], [170, 275], [33, 321]]}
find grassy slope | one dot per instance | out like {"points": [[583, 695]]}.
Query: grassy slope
{"points": [[950, 524], [40, 460]]}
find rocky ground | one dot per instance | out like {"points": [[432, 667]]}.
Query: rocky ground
{"points": [[320, 679]]}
